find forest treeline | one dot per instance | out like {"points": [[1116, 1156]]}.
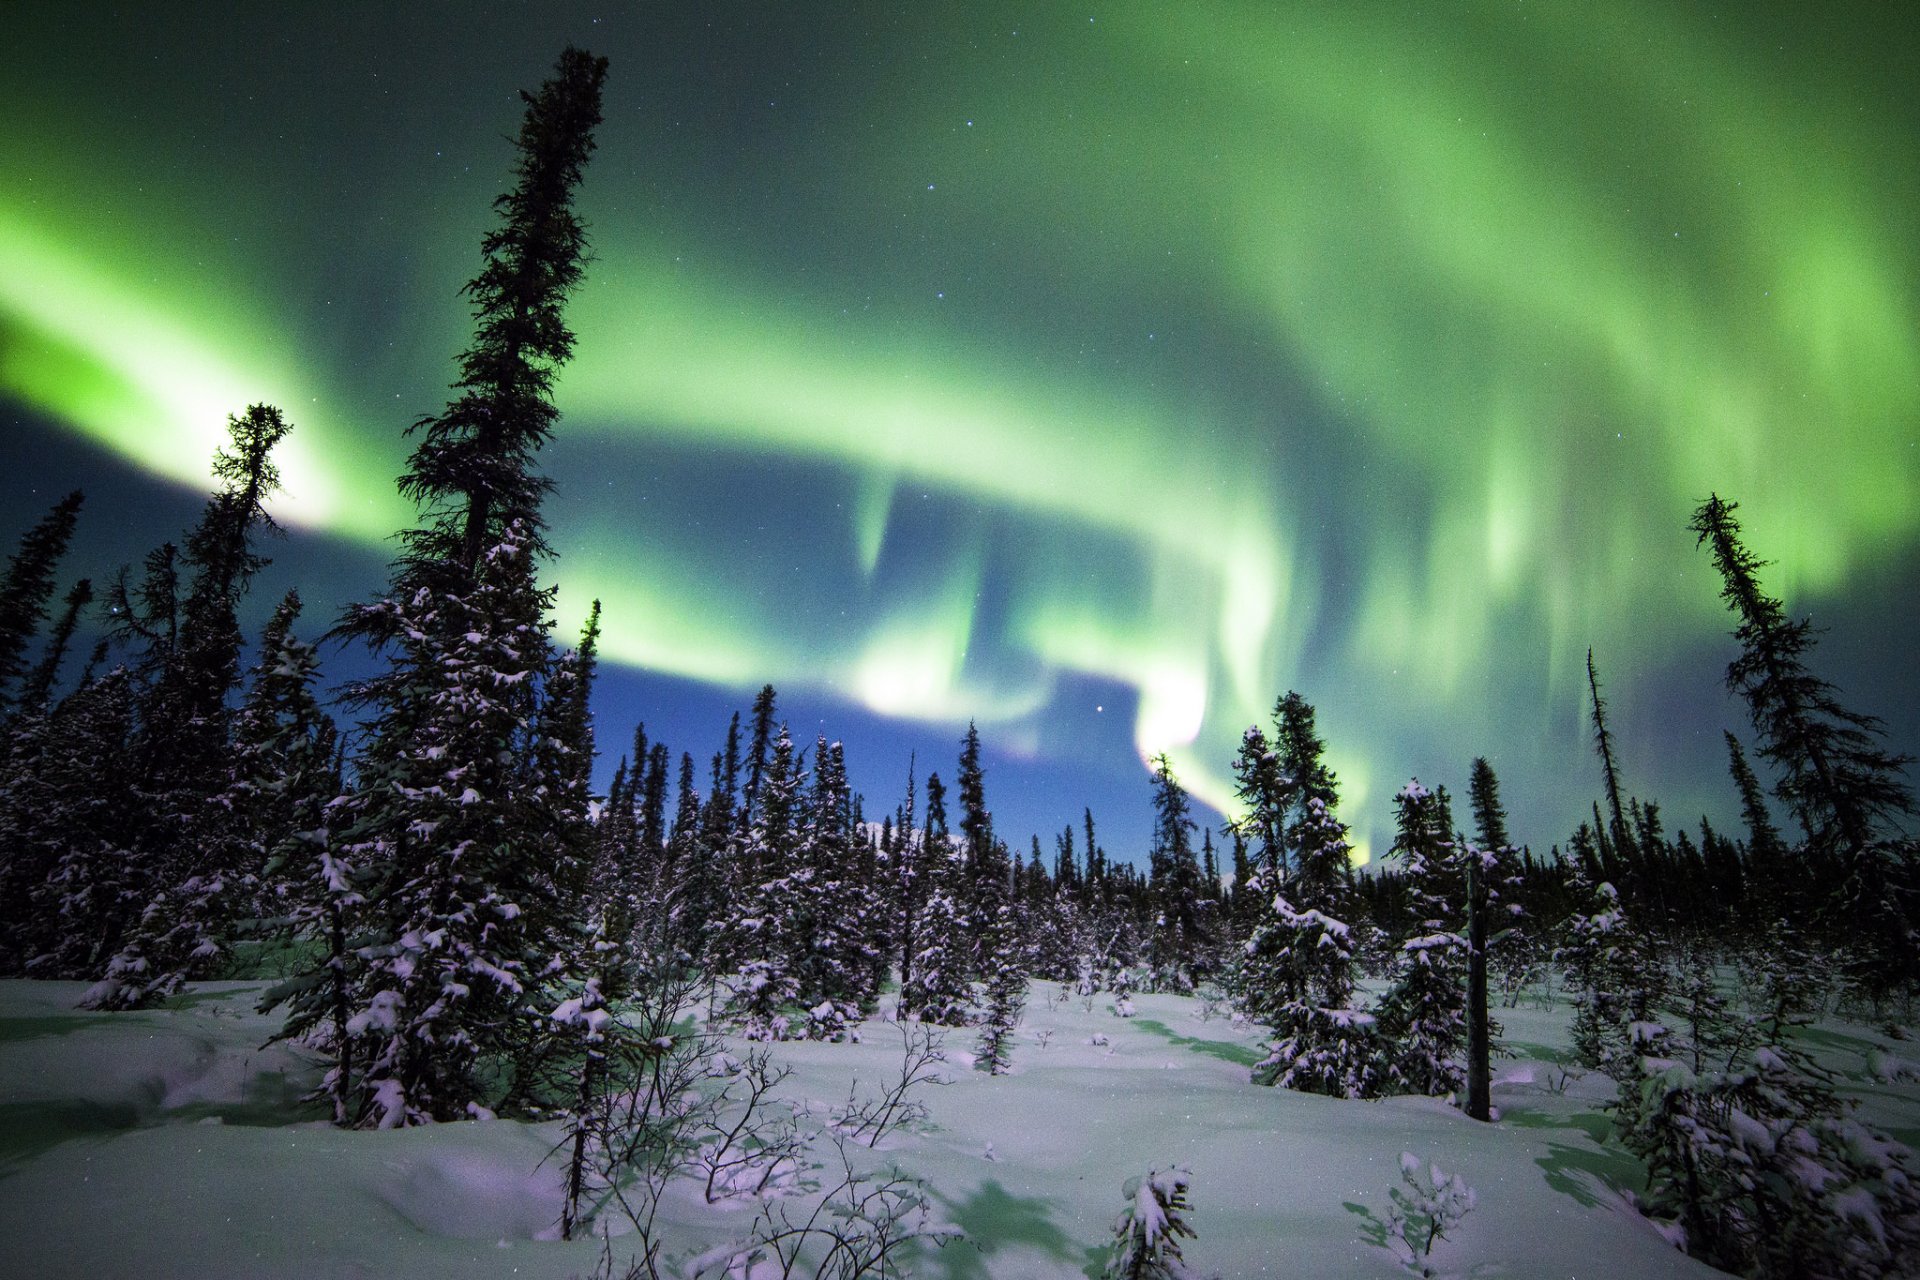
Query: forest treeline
{"points": [[457, 914]]}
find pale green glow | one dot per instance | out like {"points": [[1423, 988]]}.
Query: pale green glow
{"points": [[693, 358], [141, 375], [1463, 312]]}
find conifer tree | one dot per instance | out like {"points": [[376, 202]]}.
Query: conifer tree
{"points": [[1179, 936], [1297, 971], [757, 746], [182, 845], [978, 895], [939, 990], [473, 473], [286, 777], [1603, 743], [36, 691], [770, 921], [442, 819], [68, 893], [1423, 1014], [25, 589], [1493, 910], [1836, 776], [1764, 844], [565, 752]]}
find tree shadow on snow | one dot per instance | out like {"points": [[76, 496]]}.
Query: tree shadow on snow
{"points": [[1225, 1050], [29, 1128], [41, 1026], [993, 1219], [1564, 1166]]}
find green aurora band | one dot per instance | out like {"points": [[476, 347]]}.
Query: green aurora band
{"points": [[1495, 299]]}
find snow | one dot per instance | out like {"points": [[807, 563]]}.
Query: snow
{"points": [[110, 1169]]}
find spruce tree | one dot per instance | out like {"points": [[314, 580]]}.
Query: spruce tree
{"points": [[939, 990], [473, 474], [1836, 775], [1297, 968], [1423, 1014], [773, 910], [286, 776], [36, 690], [443, 819], [978, 896], [1179, 937], [25, 589], [182, 846], [69, 891]]}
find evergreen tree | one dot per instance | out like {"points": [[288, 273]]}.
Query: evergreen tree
{"points": [[183, 844], [465, 897], [1423, 1014], [1146, 1244], [1841, 783], [1603, 743], [25, 589], [979, 896], [770, 922], [563, 759], [1297, 970], [286, 777], [37, 689], [442, 820], [472, 474], [65, 827], [758, 744], [1005, 994], [1179, 936], [938, 990]]}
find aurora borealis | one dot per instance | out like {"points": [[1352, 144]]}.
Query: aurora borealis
{"points": [[1020, 361]]}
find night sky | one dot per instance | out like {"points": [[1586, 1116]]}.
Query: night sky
{"points": [[1098, 372]]}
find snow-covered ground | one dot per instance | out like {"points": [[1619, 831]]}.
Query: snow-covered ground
{"points": [[169, 1143]]}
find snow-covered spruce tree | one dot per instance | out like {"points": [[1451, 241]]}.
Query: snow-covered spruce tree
{"points": [[1753, 1156], [25, 589], [978, 897], [1296, 972], [194, 870], [938, 990], [283, 772], [833, 957], [1423, 1014], [67, 892], [1493, 909], [1836, 775], [286, 778], [772, 909], [690, 868], [1614, 976], [1147, 1235], [563, 754], [442, 811], [1005, 978], [1179, 938], [439, 819]]}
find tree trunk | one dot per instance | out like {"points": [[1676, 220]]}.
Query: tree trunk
{"points": [[1479, 1071]]}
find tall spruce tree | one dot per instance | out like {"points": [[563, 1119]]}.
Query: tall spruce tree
{"points": [[25, 589], [443, 815], [1837, 777]]}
